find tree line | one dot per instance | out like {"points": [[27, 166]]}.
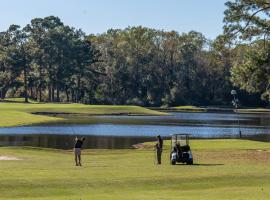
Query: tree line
{"points": [[45, 59], [52, 62]]}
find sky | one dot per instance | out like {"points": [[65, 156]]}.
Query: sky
{"points": [[97, 16]]}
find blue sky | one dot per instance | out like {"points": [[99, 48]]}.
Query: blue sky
{"points": [[97, 16]]}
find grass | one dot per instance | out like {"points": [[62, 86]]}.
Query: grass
{"points": [[19, 100], [15, 118], [224, 169], [254, 110], [190, 108], [17, 114]]}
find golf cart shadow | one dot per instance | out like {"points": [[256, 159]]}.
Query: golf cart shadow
{"points": [[200, 164], [206, 164]]}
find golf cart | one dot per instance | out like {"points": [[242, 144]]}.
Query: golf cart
{"points": [[180, 149]]}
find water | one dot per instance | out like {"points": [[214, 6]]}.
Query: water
{"points": [[123, 131], [137, 130], [67, 141]]}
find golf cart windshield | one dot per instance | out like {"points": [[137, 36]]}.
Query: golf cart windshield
{"points": [[182, 140]]}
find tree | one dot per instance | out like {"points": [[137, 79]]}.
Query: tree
{"points": [[52, 61], [253, 72], [84, 56], [37, 30], [7, 73], [16, 55], [247, 19], [217, 66]]}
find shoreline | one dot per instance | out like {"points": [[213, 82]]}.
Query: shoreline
{"points": [[66, 142]]}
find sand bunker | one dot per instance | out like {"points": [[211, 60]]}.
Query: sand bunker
{"points": [[9, 158]]}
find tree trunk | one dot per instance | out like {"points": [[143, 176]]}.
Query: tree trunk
{"points": [[40, 94], [41, 83], [25, 82], [31, 92], [3, 93], [50, 93], [78, 98], [36, 97], [72, 96], [67, 94], [52, 88], [57, 94]]}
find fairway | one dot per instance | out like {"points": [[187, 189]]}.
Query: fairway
{"points": [[18, 114], [189, 109], [224, 169]]}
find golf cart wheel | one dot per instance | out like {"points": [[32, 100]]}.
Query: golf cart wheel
{"points": [[173, 162], [190, 162]]}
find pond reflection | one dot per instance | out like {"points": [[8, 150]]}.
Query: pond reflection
{"points": [[124, 131], [67, 141]]}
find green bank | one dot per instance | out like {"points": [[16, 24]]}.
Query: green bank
{"points": [[224, 169], [18, 114], [180, 109], [190, 108], [254, 110]]}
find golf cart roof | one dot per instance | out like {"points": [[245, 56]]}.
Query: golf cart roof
{"points": [[180, 134], [182, 139]]}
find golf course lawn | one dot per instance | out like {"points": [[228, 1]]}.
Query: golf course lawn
{"points": [[18, 114], [189, 108], [223, 170], [254, 110]]}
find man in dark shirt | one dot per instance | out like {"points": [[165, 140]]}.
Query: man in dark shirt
{"points": [[77, 150], [159, 147]]}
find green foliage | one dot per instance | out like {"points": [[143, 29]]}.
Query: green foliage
{"points": [[252, 72], [247, 19], [50, 57], [153, 68], [49, 61]]}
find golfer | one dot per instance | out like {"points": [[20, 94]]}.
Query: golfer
{"points": [[159, 146], [77, 150]]}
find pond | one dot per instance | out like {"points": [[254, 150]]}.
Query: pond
{"points": [[123, 131]]}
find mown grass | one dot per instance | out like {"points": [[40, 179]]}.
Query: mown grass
{"points": [[19, 100], [16, 114], [190, 108], [224, 169], [15, 118], [253, 110]]}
